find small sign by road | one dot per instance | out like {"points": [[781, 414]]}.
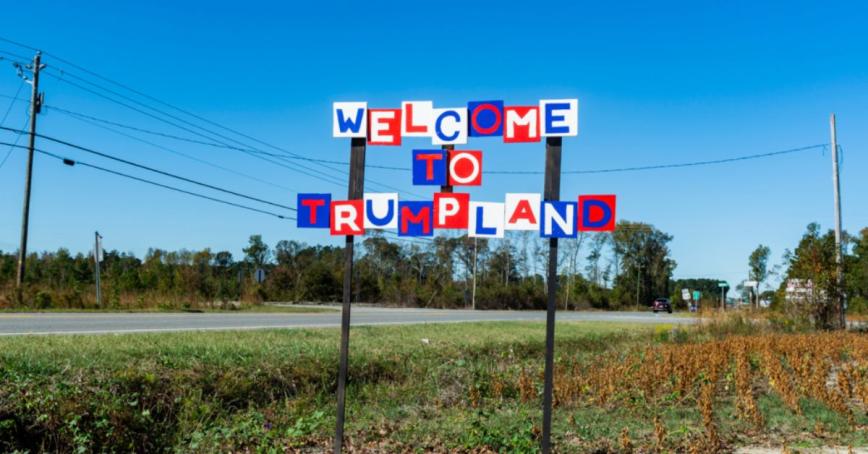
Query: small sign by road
{"points": [[259, 275]]}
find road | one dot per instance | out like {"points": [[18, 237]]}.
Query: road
{"points": [[13, 324]]}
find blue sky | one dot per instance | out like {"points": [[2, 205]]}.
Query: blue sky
{"points": [[657, 83]]}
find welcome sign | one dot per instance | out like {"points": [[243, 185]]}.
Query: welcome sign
{"points": [[439, 167]]}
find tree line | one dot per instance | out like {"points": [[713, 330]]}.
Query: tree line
{"points": [[623, 269], [597, 270]]}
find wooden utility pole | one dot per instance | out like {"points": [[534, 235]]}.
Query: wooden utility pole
{"points": [[35, 107], [839, 252], [552, 192], [355, 191]]}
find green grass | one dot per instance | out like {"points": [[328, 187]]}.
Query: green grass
{"points": [[258, 308], [410, 387]]}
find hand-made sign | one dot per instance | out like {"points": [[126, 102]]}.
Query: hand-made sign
{"points": [[437, 167]]}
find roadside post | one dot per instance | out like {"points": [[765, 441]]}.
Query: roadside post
{"points": [[552, 192], [753, 293], [97, 258], [723, 286], [356, 188]]}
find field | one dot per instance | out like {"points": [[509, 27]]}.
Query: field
{"points": [[456, 387], [250, 308]]}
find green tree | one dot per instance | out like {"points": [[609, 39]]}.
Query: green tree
{"points": [[759, 266], [813, 262], [643, 254], [257, 252]]}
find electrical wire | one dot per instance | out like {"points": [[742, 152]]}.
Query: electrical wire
{"points": [[505, 172], [11, 103], [185, 155], [6, 115], [285, 156], [294, 167], [82, 116], [12, 54], [489, 172], [14, 144], [669, 166], [151, 169], [72, 163], [286, 153]]}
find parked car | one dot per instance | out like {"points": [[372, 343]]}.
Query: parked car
{"points": [[662, 304]]}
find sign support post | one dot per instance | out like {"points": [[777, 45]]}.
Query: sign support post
{"points": [[355, 192], [552, 192]]}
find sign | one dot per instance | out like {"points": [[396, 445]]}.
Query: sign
{"points": [[552, 218], [522, 211], [800, 290], [685, 294], [259, 275], [596, 213], [751, 284], [453, 125], [697, 295], [381, 211], [723, 285], [98, 254]]}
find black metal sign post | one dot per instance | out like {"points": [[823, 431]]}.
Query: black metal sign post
{"points": [[552, 192], [447, 187], [355, 192]]}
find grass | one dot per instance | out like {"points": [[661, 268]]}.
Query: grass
{"points": [[419, 387], [254, 308]]}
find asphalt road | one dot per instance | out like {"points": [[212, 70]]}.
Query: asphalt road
{"points": [[14, 324]]}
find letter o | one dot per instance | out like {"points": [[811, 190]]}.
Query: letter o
{"points": [[474, 165]]}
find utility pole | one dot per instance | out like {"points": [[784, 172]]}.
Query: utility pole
{"points": [[839, 252], [97, 257], [35, 107], [638, 279]]}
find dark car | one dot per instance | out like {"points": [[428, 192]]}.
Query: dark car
{"points": [[661, 304]]}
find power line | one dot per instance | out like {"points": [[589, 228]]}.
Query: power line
{"points": [[257, 154], [185, 155], [151, 169], [82, 116], [12, 103], [12, 54], [291, 155], [283, 157], [14, 144], [672, 166], [6, 115], [71, 163], [490, 172], [324, 163]]}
